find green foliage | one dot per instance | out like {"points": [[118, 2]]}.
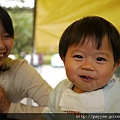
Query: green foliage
{"points": [[23, 28]]}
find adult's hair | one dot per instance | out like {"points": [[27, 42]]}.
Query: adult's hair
{"points": [[90, 26], [7, 22]]}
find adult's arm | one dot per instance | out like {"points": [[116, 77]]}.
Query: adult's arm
{"points": [[27, 82]]}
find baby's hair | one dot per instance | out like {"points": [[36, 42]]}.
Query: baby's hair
{"points": [[91, 26]]}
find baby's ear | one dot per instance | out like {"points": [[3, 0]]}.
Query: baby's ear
{"points": [[63, 59], [117, 69], [116, 65]]}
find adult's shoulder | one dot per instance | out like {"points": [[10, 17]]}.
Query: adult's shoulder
{"points": [[19, 62], [21, 65], [11, 63]]}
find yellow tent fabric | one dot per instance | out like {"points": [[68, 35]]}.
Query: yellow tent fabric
{"points": [[53, 16]]}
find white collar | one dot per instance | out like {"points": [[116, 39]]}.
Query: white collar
{"points": [[88, 102]]}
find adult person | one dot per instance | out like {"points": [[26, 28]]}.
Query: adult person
{"points": [[90, 50], [18, 79]]}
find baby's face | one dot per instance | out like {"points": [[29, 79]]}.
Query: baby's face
{"points": [[89, 68]]}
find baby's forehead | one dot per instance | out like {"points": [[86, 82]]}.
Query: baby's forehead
{"points": [[94, 42]]}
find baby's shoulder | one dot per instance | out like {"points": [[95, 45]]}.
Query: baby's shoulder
{"points": [[62, 85]]}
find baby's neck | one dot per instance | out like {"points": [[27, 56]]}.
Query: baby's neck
{"points": [[75, 89]]}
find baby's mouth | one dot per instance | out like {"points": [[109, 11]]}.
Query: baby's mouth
{"points": [[86, 77]]}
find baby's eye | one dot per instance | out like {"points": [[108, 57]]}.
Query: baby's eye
{"points": [[78, 56], [101, 59]]}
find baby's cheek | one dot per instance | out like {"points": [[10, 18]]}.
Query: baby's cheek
{"points": [[105, 76]]}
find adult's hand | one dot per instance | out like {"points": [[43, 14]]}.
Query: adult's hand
{"points": [[4, 103]]}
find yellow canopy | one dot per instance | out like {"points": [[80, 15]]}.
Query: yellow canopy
{"points": [[53, 16]]}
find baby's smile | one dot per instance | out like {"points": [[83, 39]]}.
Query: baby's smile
{"points": [[88, 78]]}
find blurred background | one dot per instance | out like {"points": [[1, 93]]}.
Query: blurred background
{"points": [[38, 25]]}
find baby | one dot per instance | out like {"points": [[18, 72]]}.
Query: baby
{"points": [[90, 50]]}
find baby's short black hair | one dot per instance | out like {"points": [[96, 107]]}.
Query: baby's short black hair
{"points": [[90, 26]]}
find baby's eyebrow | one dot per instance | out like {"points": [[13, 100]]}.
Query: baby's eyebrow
{"points": [[103, 53]]}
